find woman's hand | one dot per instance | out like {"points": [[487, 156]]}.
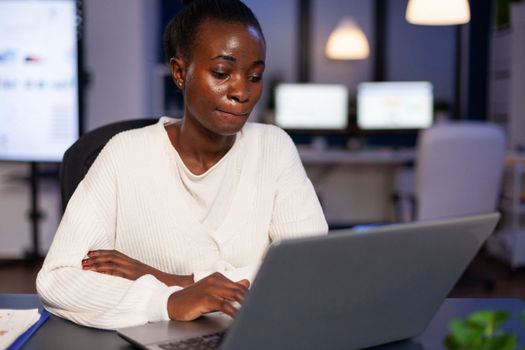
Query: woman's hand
{"points": [[213, 293], [113, 262]]}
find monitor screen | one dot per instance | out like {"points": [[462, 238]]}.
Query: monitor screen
{"points": [[311, 106], [39, 97], [394, 105]]}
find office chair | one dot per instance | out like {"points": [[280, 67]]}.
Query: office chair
{"points": [[458, 171], [80, 156]]}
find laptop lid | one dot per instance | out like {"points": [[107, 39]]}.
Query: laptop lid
{"points": [[351, 290]]}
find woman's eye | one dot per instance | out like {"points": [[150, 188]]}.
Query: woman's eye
{"points": [[255, 78], [219, 74]]}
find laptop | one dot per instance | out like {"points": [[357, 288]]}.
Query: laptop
{"points": [[345, 290]]}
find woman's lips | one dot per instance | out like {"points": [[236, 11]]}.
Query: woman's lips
{"points": [[234, 114]]}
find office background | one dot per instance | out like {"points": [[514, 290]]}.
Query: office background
{"points": [[122, 40]]}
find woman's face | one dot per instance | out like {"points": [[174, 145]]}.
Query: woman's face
{"points": [[223, 79]]}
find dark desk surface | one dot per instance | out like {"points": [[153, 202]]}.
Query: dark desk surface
{"points": [[57, 333]]}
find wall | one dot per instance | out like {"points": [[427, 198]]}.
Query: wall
{"points": [[326, 16], [120, 57], [517, 80], [416, 52]]}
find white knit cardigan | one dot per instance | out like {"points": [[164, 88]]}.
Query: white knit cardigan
{"points": [[130, 201]]}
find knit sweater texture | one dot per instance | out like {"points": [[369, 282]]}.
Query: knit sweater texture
{"points": [[134, 199]]}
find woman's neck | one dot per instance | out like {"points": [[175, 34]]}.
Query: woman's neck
{"points": [[198, 148]]}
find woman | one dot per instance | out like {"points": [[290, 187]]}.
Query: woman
{"points": [[173, 219]]}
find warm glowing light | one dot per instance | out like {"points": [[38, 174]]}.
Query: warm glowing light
{"points": [[347, 42], [438, 12]]}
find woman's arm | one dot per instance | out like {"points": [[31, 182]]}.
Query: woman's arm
{"points": [[296, 211], [115, 263], [141, 293], [86, 297], [213, 292]]}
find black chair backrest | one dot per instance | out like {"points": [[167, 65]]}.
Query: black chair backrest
{"points": [[78, 158]]}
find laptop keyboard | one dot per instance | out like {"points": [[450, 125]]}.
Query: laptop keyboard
{"points": [[205, 342]]}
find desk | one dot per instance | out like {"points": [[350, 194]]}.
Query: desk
{"points": [[57, 333], [357, 157], [355, 186]]}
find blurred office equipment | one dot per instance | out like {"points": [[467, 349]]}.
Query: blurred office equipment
{"points": [[40, 87], [438, 12], [39, 78], [315, 109], [347, 42], [391, 114], [509, 243], [459, 170], [384, 106], [80, 156], [507, 108]]}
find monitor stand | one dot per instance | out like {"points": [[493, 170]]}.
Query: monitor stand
{"points": [[319, 143]]}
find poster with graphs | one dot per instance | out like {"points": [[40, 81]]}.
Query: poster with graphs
{"points": [[39, 108]]}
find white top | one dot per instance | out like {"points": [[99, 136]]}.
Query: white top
{"points": [[134, 199], [209, 195]]}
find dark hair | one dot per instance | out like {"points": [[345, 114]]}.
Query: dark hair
{"points": [[179, 36]]}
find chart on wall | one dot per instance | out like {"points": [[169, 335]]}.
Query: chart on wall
{"points": [[39, 97]]}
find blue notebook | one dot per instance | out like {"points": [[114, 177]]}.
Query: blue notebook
{"points": [[44, 315]]}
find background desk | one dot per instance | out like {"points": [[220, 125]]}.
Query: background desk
{"points": [[358, 157], [355, 186], [57, 333]]}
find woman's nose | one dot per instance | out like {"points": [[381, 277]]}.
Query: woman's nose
{"points": [[239, 90]]}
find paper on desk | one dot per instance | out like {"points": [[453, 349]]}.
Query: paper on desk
{"points": [[13, 323]]}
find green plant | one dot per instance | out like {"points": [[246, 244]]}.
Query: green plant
{"points": [[481, 331]]}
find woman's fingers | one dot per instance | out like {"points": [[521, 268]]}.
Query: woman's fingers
{"points": [[113, 262], [234, 294], [227, 289], [245, 283], [226, 307], [109, 262], [213, 293], [107, 256]]}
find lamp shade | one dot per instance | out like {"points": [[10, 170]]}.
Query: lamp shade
{"points": [[438, 12], [347, 42]]}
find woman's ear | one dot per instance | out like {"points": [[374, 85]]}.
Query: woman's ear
{"points": [[178, 71]]}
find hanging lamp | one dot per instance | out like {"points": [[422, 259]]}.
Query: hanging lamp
{"points": [[347, 42], [438, 12]]}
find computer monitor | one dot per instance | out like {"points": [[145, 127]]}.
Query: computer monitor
{"points": [[314, 108], [387, 106], [39, 78]]}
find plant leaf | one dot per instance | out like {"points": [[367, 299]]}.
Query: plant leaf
{"points": [[484, 317], [501, 342], [465, 333]]}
